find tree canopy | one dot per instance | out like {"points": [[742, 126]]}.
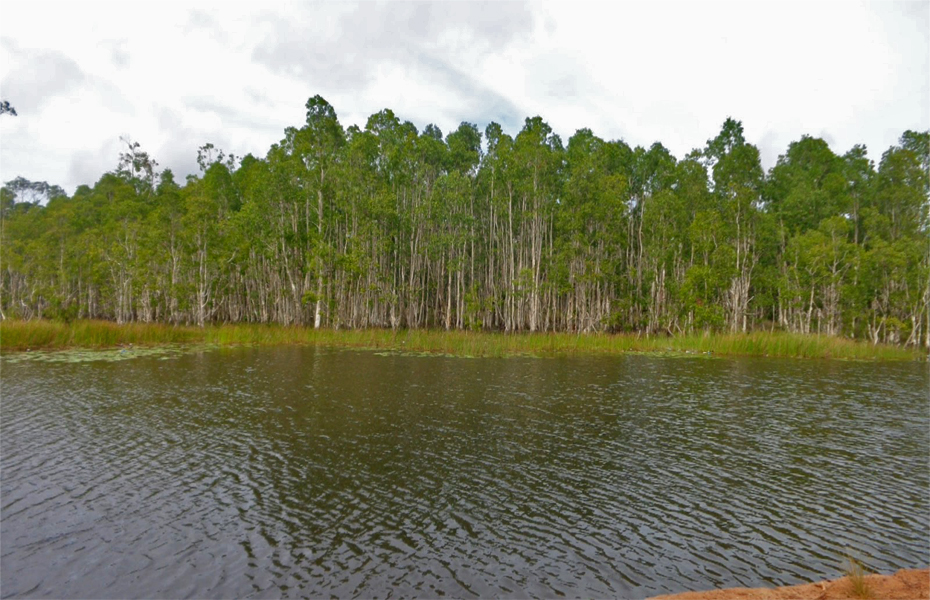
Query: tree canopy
{"points": [[388, 226]]}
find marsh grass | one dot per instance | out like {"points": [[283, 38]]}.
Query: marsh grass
{"points": [[856, 573], [46, 335], [39, 335]]}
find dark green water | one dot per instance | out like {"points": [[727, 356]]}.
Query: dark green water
{"points": [[305, 472]]}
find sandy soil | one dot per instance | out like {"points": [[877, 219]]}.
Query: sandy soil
{"points": [[903, 585]]}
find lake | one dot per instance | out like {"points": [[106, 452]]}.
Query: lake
{"points": [[297, 471]]}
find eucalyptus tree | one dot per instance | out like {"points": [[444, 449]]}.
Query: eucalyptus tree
{"points": [[591, 218], [737, 177], [387, 226], [165, 252], [859, 173], [318, 145], [35, 192], [806, 192], [463, 159], [538, 157], [137, 167], [495, 185], [651, 174], [899, 286], [808, 185]]}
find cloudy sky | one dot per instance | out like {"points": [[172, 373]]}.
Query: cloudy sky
{"points": [[172, 77]]}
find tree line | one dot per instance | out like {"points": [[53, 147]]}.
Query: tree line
{"points": [[388, 226]]}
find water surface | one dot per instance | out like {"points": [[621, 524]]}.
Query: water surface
{"points": [[306, 472]]}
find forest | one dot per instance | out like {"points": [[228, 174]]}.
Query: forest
{"points": [[391, 227]]}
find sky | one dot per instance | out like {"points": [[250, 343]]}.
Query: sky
{"points": [[174, 76]]}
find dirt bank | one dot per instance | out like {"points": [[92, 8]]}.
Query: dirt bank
{"points": [[903, 585]]}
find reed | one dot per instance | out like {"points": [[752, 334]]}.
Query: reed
{"points": [[45, 335], [37, 334]]}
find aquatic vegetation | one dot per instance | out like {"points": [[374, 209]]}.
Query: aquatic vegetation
{"points": [[82, 355], [41, 335]]}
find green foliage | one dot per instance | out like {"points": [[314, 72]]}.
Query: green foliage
{"points": [[390, 227]]}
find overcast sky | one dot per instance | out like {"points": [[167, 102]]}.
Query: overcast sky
{"points": [[82, 74]]}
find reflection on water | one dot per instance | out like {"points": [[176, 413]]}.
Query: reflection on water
{"points": [[297, 471]]}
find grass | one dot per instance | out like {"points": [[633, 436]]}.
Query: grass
{"points": [[44, 335], [856, 574]]}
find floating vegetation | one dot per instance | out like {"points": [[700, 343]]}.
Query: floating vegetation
{"points": [[84, 355], [409, 353], [672, 353]]}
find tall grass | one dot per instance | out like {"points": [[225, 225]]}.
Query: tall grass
{"points": [[856, 573], [23, 335], [37, 334]]}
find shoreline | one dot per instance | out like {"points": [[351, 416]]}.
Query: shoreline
{"points": [[905, 584], [19, 336]]}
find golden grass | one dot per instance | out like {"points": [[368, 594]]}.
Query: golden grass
{"points": [[36, 334], [856, 574]]}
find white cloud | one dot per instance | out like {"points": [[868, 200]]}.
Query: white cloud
{"points": [[175, 78]]}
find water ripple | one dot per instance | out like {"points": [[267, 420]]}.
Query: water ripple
{"points": [[299, 472]]}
